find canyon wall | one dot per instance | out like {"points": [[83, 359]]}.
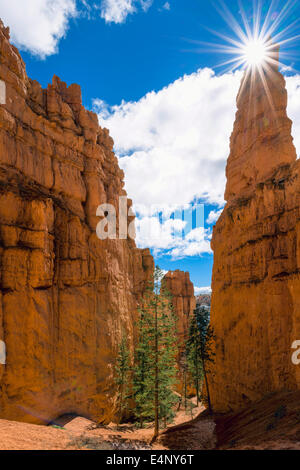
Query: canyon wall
{"points": [[65, 295], [256, 242]]}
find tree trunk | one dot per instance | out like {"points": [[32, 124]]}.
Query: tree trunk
{"points": [[197, 378], [179, 403], [207, 389], [156, 397], [121, 404], [185, 394]]}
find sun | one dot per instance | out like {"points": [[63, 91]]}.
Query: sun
{"points": [[258, 37], [255, 52]]}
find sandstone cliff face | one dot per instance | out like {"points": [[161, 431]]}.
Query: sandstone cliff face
{"points": [[256, 243], [65, 295], [179, 285]]}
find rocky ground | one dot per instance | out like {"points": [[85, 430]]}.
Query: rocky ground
{"points": [[272, 424], [73, 433]]}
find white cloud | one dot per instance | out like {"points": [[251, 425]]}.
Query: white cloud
{"points": [[202, 290], [37, 25], [166, 6], [293, 88], [213, 217], [116, 11], [173, 145], [165, 238], [175, 142], [286, 68]]}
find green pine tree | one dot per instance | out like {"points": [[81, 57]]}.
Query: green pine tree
{"points": [[123, 376], [184, 378], [193, 355], [155, 357], [200, 350], [142, 366]]}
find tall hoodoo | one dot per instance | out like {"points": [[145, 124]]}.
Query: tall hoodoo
{"points": [[181, 288], [65, 296], [261, 141], [256, 243]]}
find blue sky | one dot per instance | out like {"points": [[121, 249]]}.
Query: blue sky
{"points": [[169, 108], [125, 61]]}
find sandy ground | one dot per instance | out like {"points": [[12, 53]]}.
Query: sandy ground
{"points": [[272, 424], [73, 433]]}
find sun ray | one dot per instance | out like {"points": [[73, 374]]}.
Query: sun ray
{"points": [[267, 90], [231, 61], [255, 42], [245, 19], [257, 19], [244, 82], [231, 21], [257, 38], [286, 41], [285, 30], [282, 16], [226, 38], [236, 64], [265, 27], [214, 46], [255, 46]]}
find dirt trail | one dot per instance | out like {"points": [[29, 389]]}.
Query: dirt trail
{"points": [[274, 423], [69, 433]]}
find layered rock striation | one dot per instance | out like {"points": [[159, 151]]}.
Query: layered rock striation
{"points": [[256, 242], [65, 295]]}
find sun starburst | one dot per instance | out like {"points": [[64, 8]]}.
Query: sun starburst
{"points": [[257, 37], [255, 52], [256, 42]]}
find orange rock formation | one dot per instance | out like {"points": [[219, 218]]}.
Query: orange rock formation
{"points": [[256, 243], [181, 288], [65, 295]]}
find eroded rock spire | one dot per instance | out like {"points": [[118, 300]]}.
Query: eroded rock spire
{"points": [[261, 141], [256, 243]]}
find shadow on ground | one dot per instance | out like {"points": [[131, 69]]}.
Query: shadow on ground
{"points": [[272, 424]]}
